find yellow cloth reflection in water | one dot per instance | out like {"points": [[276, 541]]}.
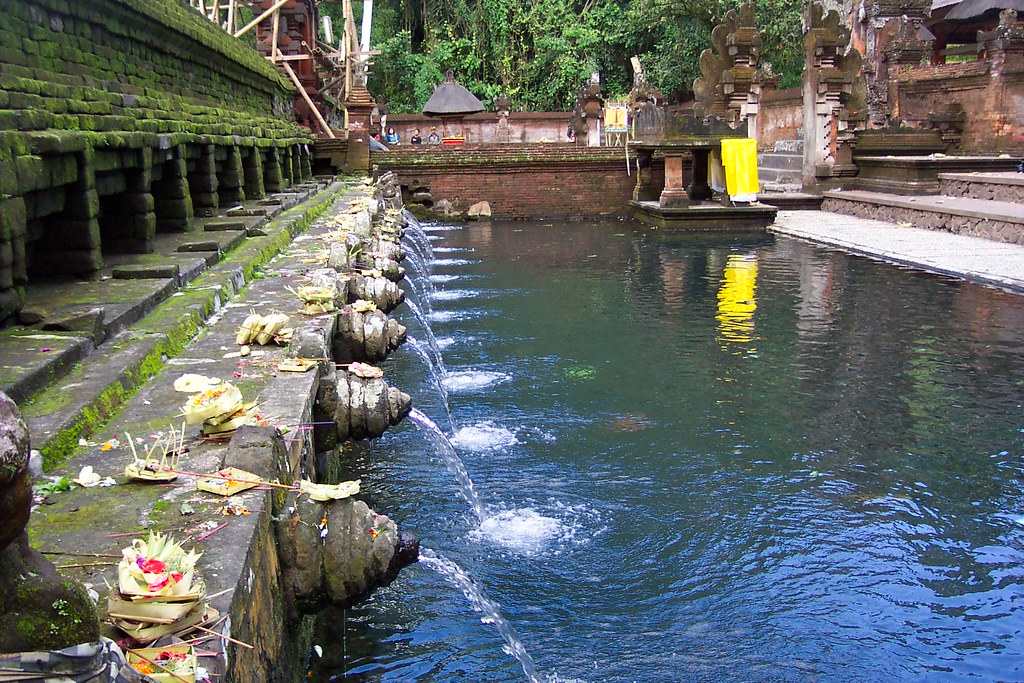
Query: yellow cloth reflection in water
{"points": [[736, 302]]}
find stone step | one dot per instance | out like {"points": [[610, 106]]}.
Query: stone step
{"points": [[788, 162], [1003, 187], [779, 177], [999, 221], [789, 198], [789, 147], [86, 383]]}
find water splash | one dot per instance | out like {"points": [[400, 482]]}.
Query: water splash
{"points": [[524, 531], [491, 610], [452, 461], [485, 436], [473, 380]]}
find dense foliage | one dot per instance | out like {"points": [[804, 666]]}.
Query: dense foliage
{"points": [[539, 52]]}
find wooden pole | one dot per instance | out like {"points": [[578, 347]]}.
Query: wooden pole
{"points": [[278, 5], [273, 37], [231, 16], [309, 100]]}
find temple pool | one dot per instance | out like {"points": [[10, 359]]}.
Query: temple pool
{"points": [[700, 459]]}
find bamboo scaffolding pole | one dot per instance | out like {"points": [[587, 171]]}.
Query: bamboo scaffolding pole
{"points": [[274, 52], [309, 100], [231, 16], [278, 5]]}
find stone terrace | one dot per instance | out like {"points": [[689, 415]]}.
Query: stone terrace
{"points": [[120, 119]]}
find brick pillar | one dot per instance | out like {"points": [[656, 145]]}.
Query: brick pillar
{"points": [[128, 219], [72, 237], [202, 181], [171, 198], [285, 157], [252, 168], [673, 193], [13, 271], [296, 154], [231, 179], [359, 109], [273, 178], [306, 162]]}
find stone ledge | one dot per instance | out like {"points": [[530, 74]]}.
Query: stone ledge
{"points": [[171, 324]]}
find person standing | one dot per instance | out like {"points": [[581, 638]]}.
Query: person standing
{"points": [[415, 139], [433, 138], [392, 137]]}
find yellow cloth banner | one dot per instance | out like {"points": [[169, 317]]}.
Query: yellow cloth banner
{"points": [[739, 156]]}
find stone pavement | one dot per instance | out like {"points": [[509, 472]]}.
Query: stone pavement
{"points": [[971, 258]]}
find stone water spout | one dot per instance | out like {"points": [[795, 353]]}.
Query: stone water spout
{"points": [[367, 337], [361, 407], [338, 551], [367, 406], [380, 290], [343, 559]]}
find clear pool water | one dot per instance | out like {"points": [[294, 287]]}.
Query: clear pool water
{"points": [[702, 459]]}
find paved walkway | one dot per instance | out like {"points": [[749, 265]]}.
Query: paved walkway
{"points": [[970, 258]]}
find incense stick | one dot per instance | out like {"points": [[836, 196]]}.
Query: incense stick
{"points": [[227, 638]]}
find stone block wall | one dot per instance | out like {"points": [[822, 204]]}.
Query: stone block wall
{"points": [[120, 119], [541, 181], [971, 225], [488, 127], [1009, 189]]}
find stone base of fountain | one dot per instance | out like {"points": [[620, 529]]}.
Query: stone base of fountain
{"points": [[705, 216]]}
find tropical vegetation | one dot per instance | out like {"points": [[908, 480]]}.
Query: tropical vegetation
{"points": [[539, 52]]}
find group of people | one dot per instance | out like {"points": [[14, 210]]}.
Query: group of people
{"points": [[392, 138]]}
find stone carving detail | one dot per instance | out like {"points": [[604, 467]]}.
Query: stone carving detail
{"points": [[338, 551], [729, 86], [834, 96]]}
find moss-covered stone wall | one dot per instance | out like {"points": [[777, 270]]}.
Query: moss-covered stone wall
{"points": [[117, 119]]}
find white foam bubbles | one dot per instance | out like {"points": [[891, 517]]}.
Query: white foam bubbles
{"points": [[444, 278], [454, 262], [524, 531], [485, 436], [473, 380]]}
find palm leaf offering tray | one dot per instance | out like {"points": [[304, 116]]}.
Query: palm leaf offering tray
{"points": [[215, 404], [325, 492], [228, 482], [260, 329], [165, 664], [158, 591], [161, 461], [315, 299], [296, 364]]}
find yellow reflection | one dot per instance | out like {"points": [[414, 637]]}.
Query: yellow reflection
{"points": [[736, 302]]}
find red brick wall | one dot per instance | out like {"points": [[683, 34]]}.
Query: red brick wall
{"points": [[780, 116], [519, 182], [993, 102]]}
